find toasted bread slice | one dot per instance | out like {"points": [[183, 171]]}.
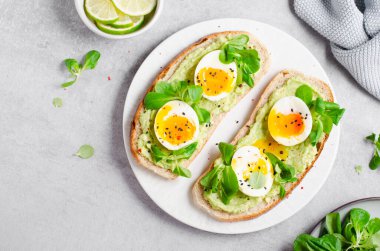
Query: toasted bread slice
{"points": [[264, 206], [167, 72]]}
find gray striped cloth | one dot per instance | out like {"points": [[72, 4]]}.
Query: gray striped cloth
{"points": [[353, 28]]}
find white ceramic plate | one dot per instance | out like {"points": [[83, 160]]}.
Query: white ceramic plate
{"points": [[174, 197], [371, 205]]}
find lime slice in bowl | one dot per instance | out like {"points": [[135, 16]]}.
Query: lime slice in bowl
{"points": [[135, 7], [120, 31], [101, 11], [126, 21]]}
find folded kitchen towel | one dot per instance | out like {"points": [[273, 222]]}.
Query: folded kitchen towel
{"points": [[353, 29]]}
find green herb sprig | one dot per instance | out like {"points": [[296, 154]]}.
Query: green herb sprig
{"points": [[247, 60], [165, 92], [284, 173], [222, 178], [175, 156], [375, 160], [325, 114], [75, 68], [357, 232]]}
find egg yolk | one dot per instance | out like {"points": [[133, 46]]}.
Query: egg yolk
{"points": [[174, 129], [215, 81], [286, 126], [259, 166], [271, 146]]}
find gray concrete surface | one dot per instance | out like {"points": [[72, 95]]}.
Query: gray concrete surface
{"points": [[52, 200]]}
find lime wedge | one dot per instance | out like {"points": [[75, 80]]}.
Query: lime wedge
{"points": [[120, 31], [101, 10], [125, 21], [135, 7]]}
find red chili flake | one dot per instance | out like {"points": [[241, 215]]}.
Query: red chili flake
{"points": [[109, 78], [139, 150], [178, 137]]}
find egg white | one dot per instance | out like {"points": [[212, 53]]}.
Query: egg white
{"points": [[212, 60], [290, 105], [242, 157], [179, 108]]}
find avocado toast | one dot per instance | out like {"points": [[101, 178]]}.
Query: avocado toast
{"points": [[183, 90], [230, 195]]}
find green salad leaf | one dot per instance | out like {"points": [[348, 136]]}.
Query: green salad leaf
{"points": [[283, 173], [328, 242], [282, 191], [222, 179], [75, 68], [305, 93], [229, 184], [227, 151], [357, 232], [155, 100], [184, 172], [180, 90], [247, 60], [160, 154], [257, 180], [375, 160], [325, 114], [333, 224], [203, 115]]}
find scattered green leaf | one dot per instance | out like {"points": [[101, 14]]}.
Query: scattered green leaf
{"points": [[57, 102], [358, 169], [91, 60], [85, 152], [375, 160], [76, 68]]}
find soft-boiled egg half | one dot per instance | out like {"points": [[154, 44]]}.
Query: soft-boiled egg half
{"points": [[216, 79], [249, 164], [290, 121], [176, 125]]}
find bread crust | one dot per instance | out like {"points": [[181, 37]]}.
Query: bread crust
{"points": [[263, 207], [167, 72]]}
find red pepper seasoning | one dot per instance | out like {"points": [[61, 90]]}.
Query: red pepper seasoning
{"points": [[109, 78]]}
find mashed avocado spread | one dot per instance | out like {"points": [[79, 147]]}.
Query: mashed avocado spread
{"points": [[299, 156], [185, 71]]}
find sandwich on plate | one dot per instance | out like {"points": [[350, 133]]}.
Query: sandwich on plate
{"points": [[272, 152], [188, 99]]}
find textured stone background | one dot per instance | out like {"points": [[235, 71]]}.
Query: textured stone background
{"points": [[51, 200]]}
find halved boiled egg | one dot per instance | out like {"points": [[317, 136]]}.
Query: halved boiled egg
{"points": [[253, 170], [290, 121], [176, 125], [216, 79]]}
